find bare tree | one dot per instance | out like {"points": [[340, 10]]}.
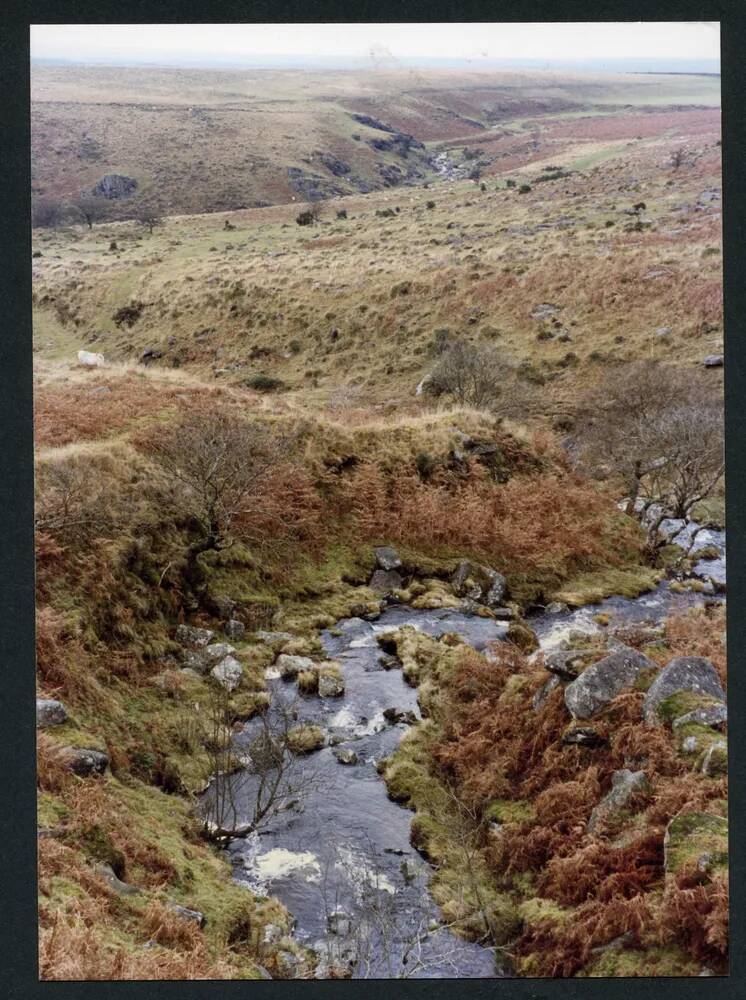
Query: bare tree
{"points": [[149, 218], [372, 934], [89, 208], [659, 433], [46, 212], [253, 783], [472, 374], [679, 157], [215, 465]]}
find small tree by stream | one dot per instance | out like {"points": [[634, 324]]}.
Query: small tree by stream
{"points": [[215, 465], [254, 783], [660, 433]]}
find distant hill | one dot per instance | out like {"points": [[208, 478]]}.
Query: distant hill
{"points": [[202, 140]]}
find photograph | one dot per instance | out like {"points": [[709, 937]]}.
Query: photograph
{"points": [[379, 500]]}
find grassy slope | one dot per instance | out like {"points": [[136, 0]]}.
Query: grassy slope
{"points": [[346, 311], [230, 136]]}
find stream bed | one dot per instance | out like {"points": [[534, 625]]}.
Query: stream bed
{"points": [[341, 857]]}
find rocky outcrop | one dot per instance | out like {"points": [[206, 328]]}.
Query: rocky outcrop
{"points": [[49, 713], [115, 186], [685, 673], [228, 673], [192, 916], [603, 681], [85, 762], [386, 581], [290, 666], [479, 583], [235, 629], [625, 786], [192, 637], [387, 558], [312, 187]]}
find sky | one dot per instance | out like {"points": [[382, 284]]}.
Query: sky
{"points": [[647, 43]]}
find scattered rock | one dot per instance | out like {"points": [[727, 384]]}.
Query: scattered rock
{"points": [[387, 558], [715, 716], [49, 713], [272, 933], [479, 583], [603, 681], [90, 359], [544, 691], [545, 310], [396, 715], [696, 837], [685, 673], [235, 629], [583, 736], [522, 636], [625, 785], [115, 186], [228, 673], [193, 916], [346, 756], [272, 638], [385, 581], [715, 760], [221, 605], [566, 663], [331, 682], [107, 874], [85, 762], [290, 666], [289, 966], [340, 923], [556, 608], [192, 637], [713, 361]]}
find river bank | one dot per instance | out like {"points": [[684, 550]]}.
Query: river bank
{"points": [[344, 857]]}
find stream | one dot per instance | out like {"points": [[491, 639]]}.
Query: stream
{"points": [[343, 849]]}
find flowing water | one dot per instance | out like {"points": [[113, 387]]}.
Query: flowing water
{"points": [[344, 846]]}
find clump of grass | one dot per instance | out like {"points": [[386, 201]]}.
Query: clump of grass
{"points": [[306, 738]]}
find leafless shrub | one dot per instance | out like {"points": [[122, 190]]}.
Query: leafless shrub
{"points": [[216, 465], [472, 374], [46, 213], [89, 208], [148, 218], [655, 429], [253, 784]]}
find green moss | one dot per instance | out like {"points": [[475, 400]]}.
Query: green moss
{"points": [[522, 636], [589, 588], [537, 910], [694, 739], [628, 962], [682, 702], [692, 836], [509, 811], [50, 811]]}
